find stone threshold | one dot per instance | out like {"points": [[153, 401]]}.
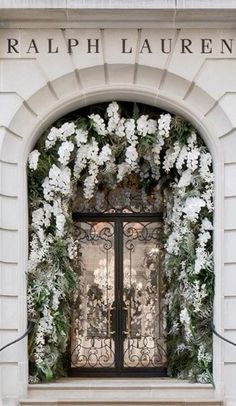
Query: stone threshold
{"points": [[137, 390], [124, 383], [114, 402]]}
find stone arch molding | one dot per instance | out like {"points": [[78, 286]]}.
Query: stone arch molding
{"points": [[152, 86], [53, 100]]}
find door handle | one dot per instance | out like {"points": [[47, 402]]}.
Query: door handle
{"points": [[110, 310], [127, 309]]}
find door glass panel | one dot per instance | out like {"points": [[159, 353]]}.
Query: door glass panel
{"points": [[92, 336], [144, 344]]}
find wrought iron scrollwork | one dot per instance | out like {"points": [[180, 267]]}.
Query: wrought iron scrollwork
{"points": [[144, 352], [122, 199], [141, 231], [144, 343], [119, 304], [93, 352], [92, 342]]}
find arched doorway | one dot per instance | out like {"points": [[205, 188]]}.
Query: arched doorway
{"points": [[187, 162]]}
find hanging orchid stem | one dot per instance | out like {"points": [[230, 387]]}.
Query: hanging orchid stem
{"points": [[104, 152]]}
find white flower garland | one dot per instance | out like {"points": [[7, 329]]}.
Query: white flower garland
{"points": [[188, 205]]}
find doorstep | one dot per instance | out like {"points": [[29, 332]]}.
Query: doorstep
{"points": [[122, 390]]}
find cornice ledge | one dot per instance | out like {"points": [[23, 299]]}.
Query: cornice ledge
{"points": [[118, 4]]}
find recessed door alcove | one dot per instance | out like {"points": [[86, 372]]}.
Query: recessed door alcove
{"points": [[120, 309]]}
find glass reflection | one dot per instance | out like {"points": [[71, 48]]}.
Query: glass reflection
{"points": [[92, 343], [141, 336], [144, 343]]}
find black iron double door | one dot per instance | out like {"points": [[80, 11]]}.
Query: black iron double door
{"points": [[118, 325]]}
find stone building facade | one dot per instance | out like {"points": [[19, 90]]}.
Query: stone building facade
{"points": [[57, 56]]}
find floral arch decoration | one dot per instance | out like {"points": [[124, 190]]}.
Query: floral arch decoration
{"points": [[121, 143]]}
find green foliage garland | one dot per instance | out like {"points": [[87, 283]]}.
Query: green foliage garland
{"points": [[122, 144]]}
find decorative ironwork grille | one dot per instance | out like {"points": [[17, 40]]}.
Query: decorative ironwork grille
{"points": [[144, 344], [92, 342], [118, 320]]}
